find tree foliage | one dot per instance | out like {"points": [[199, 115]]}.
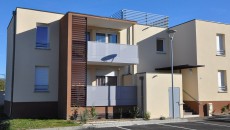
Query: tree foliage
{"points": [[2, 84]]}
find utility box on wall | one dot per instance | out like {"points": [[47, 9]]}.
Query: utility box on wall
{"points": [[209, 109]]}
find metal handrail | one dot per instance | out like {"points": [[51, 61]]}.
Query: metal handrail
{"points": [[191, 97]]}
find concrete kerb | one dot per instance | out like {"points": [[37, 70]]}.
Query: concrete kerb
{"points": [[105, 124]]}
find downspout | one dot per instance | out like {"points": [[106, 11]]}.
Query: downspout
{"points": [[142, 95], [13, 64]]}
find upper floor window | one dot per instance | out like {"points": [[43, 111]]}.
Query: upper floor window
{"points": [[100, 37], [160, 46], [222, 84], [112, 38], [41, 78], [42, 36], [220, 47]]}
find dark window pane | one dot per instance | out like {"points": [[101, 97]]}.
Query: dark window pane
{"points": [[112, 80], [112, 38], [160, 45], [100, 37], [42, 37], [88, 36]]}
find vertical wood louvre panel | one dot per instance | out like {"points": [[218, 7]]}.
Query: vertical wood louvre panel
{"points": [[79, 61]]}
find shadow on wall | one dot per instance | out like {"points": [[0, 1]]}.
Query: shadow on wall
{"points": [[149, 58]]}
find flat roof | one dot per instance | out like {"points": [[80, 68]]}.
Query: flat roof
{"points": [[180, 67]]}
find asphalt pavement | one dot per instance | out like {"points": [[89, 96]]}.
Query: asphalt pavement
{"points": [[194, 125]]}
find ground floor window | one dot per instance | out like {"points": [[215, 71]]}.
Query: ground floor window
{"points": [[41, 78], [222, 84]]}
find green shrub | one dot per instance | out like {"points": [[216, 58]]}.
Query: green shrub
{"points": [[225, 109], [93, 112], [135, 112], [85, 116], [162, 118], [147, 116], [74, 116]]}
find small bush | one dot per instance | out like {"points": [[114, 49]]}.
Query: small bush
{"points": [[135, 112], [74, 116], [225, 109], [85, 116], [162, 118], [93, 112], [147, 116]]}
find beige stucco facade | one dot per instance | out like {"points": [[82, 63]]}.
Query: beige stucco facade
{"points": [[195, 44], [27, 56], [156, 93], [206, 47], [146, 38]]}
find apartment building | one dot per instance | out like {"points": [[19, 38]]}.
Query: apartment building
{"points": [[57, 62]]}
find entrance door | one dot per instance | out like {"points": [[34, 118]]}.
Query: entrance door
{"points": [[176, 103]]}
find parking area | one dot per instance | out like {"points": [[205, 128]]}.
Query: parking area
{"points": [[196, 125]]}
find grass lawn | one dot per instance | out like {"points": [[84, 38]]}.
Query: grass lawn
{"points": [[23, 124]]}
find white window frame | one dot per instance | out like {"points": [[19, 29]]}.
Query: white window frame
{"points": [[220, 44], [164, 46], [48, 36], [222, 81], [107, 36], [37, 85]]}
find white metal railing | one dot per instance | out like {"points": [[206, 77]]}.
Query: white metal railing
{"points": [[222, 89], [143, 18], [112, 53], [220, 52]]}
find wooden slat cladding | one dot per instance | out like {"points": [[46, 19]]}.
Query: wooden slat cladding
{"points": [[79, 61]]}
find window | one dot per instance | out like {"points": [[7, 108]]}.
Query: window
{"points": [[41, 78], [100, 37], [220, 44], [160, 46], [112, 38], [42, 37], [222, 84], [88, 36]]}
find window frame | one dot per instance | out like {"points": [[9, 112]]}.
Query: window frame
{"points": [[48, 36], [101, 33], [222, 88], [219, 51], [108, 34], [36, 85], [164, 46]]}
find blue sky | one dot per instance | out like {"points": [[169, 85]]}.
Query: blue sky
{"points": [[178, 10]]}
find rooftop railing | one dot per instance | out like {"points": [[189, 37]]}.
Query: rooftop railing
{"points": [[143, 18]]}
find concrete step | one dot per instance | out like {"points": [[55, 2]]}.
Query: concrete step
{"points": [[188, 113], [191, 116]]}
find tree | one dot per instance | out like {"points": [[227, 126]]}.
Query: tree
{"points": [[2, 84]]}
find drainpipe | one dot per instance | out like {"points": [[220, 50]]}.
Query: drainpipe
{"points": [[142, 95], [13, 64]]}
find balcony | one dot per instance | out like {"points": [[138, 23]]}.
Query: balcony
{"points": [[112, 54], [111, 95]]}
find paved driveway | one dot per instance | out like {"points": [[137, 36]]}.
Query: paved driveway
{"points": [[198, 125]]}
